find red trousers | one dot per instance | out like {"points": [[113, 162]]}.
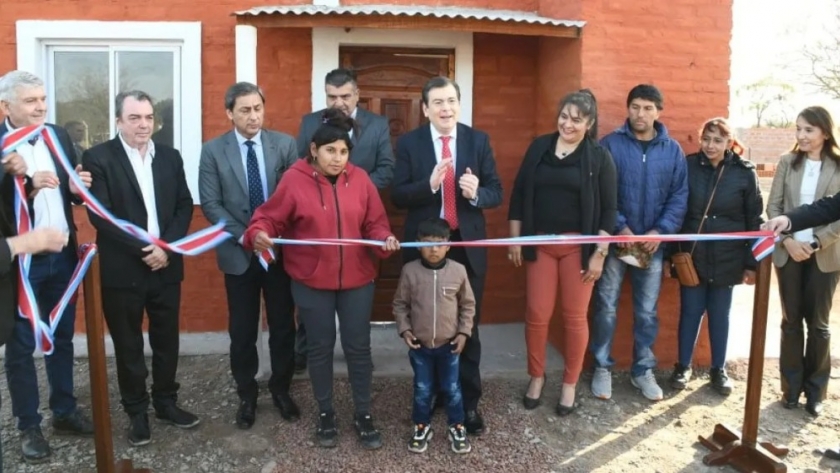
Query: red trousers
{"points": [[557, 266]]}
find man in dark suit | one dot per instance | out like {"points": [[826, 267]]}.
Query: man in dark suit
{"points": [[142, 182], [23, 102], [446, 169], [239, 170], [372, 150]]}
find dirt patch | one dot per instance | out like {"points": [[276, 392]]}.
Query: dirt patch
{"points": [[625, 434]]}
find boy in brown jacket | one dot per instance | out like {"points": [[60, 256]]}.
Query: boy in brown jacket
{"points": [[434, 308]]}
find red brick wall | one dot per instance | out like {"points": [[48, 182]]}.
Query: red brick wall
{"points": [[766, 145]]}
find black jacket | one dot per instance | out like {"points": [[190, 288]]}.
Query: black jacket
{"points": [[598, 191], [737, 207], [821, 212], [117, 189]]}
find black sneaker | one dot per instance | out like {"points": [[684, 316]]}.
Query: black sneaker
{"points": [[720, 381], [172, 414], [420, 441], [458, 439], [138, 430], [370, 437], [34, 446], [74, 424], [326, 433], [680, 377]]}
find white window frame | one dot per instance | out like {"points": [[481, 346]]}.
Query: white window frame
{"points": [[36, 37]]}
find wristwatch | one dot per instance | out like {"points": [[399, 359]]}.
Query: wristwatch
{"points": [[602, 251]]}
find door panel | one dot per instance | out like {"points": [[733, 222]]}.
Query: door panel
{"points": [[390, 84]]}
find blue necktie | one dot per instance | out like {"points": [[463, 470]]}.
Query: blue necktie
{"points": [[255, 189]]}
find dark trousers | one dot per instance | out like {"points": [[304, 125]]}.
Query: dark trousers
{"points": [[806, 294], [471, 356], [694, 303], [436, 367], [317, 309], [124, 309], [243, 296], [49, 275]]}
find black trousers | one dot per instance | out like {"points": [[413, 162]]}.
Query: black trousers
{"points": [[243, 296], [806, 294], [471, 356], [124, 309]]}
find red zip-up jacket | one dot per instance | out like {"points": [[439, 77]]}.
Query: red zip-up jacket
{"points": [[307, 205]]}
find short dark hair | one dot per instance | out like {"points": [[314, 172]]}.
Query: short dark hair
{"points": [[137, 95], [584, 101], [335, 125], [646, 92], [241, 89], [439, 82], [434, 227], [339, 77]]}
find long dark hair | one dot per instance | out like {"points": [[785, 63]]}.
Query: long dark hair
{"points": [[820, 118], [584, 101], [335, 125]]}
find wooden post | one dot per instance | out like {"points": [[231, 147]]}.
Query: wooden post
{"points": [[740, 450], [100, 401]]}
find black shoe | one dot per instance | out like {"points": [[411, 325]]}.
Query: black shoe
{"points": [[170, 413], [138, 430], [74, 424], [370, 437], [564, 411], [288, 409], [832, 453], [246, 414], [326, 433], [721, 382], [300, 363], [474, 422], [814, 407], [790, 403], [531, 403], [34, 446], [680, 377]]}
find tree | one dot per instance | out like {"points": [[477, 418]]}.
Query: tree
{"points": [[823, 59], [768, 100]]}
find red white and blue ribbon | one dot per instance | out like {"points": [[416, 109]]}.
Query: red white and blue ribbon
{"points": [[193, 244], [763, 246]]}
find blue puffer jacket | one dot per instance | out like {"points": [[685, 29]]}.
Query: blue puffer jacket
{"points": [[652, 186]]}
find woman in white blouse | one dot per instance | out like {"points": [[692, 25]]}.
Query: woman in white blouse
{"points": [[807, 262]]}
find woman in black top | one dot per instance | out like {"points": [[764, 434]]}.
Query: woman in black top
{"points": [[566, 185], [720, 264]]}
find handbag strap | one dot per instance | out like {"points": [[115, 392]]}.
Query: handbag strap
{"points": [[708, 206]]}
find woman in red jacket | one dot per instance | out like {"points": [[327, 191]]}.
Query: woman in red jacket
{"points": [[324, 196]]}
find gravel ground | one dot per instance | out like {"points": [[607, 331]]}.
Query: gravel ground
{"points": [[624, 434]]}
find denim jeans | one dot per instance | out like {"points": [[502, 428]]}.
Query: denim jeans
{"points": [[49, 276], [646, 285], [694, 301], [436, 366]]}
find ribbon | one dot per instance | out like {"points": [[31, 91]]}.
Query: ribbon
{"points": [[761, 248], [193, 244]]}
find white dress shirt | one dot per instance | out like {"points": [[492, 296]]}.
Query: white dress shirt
{"points": [[49, 203], [807, 193], [453, 147], [142, 166]]}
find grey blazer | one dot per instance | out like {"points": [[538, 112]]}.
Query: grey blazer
{"points": [[372, 149], [223, 188], [784, 197]]}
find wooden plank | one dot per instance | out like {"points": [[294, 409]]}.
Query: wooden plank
{"points": [[406, 22]]}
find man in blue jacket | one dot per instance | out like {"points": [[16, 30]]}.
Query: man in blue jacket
{"points": [[652, 199]]}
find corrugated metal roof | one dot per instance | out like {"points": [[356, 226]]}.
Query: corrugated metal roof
{"points": [[428, 11]]}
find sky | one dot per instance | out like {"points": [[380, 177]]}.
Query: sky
{"points": [[767, 37]]}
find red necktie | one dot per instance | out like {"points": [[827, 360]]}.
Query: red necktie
{"points": [[450, 209]]}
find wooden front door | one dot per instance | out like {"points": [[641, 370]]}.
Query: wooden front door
{"points": [[390, 84]]}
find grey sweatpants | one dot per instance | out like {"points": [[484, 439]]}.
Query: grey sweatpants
{"points": [[317, 310]]}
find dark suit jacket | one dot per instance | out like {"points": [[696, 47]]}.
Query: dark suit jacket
{"points": [[8, 301], [7, 185], [821, 212], [415, 162], [115, 185], [371, 151]]}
